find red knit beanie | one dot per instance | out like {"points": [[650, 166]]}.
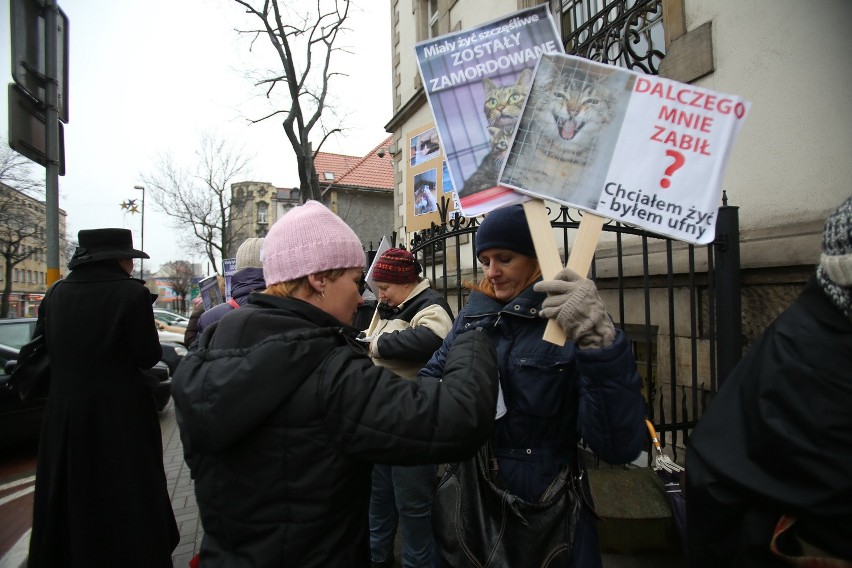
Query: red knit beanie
{"points": [[396, 266]]}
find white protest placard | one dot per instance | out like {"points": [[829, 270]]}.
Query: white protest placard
{"points": [[229, 268], [639, 149], [476, 81], [383, 246]]}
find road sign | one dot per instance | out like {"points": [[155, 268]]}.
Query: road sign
{"points": [[27, 128], [29, 52]]}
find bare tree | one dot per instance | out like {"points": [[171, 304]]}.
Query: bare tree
{"points": [[19, 172], [199, 199], [178, 275], [304, 41]]}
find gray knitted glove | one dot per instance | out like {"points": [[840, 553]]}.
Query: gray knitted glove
{"points": [[574, 303]]}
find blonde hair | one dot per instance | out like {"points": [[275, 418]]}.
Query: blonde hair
{"points": [[287, 289]]}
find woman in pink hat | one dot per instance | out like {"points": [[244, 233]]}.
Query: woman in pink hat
{"points": [[282, 413]]}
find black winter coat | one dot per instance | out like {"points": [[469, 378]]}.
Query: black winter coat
{"points": [[777, 440], [282, 414], [100, 494]]}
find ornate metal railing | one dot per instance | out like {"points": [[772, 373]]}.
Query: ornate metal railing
{"points": [[627, 33]]}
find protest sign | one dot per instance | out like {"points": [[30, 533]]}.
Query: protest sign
{"points": [[383, 246], [229, 268], [476, 81], [211, 294], [635, 148]]}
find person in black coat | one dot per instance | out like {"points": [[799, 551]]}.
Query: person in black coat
{"points": [[769, 465], [100, 491], [282, 413]]}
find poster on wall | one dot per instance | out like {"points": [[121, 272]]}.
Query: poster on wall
{"points": [[631, 147], [427, 183], [476, 82]]}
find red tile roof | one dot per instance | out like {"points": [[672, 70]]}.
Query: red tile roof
{"points": [[369, 171]]}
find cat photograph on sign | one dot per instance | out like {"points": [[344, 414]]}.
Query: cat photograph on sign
{"points": [[567, 131], [476, 82], [635, 148], [501, 104]]}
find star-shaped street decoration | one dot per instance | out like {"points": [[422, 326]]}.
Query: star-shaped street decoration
{"points": [[130, 205]]}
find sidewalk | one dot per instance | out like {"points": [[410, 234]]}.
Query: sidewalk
{"points": [[181, 491]]}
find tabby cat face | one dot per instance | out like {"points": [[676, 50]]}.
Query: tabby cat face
{"points": [[499, 140], [503, 103], [579, 110]]}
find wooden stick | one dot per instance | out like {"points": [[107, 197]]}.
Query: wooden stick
{"points": [[373, 322], [580, 259]]}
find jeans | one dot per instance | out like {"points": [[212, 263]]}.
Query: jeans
{"points": [[404, 494]]}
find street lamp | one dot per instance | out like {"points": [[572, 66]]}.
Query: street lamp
{"points": [[142, 244]]}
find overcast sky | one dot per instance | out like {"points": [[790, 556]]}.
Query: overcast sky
{"points": [[149, 77]]}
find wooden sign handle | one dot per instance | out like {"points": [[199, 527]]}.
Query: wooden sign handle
{"points": [[580, 259], [373, 322]]}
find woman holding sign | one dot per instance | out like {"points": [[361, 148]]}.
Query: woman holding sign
{"points": [[552, 396]]}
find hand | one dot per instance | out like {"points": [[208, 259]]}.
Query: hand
{"points": [[574, 303]]}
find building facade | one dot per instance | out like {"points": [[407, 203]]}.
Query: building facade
{"points": [[357, 188], [788, 169], [23, 252]]}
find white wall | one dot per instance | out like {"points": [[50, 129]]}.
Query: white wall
{"points": [[792, 162]]}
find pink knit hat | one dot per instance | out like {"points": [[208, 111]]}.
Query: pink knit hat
{"points": [[306, 240]]}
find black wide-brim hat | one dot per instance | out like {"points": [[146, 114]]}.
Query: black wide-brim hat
{"points": [[103, 244]]}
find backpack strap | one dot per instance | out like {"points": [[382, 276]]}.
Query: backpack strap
{"points": [[233, 303]]}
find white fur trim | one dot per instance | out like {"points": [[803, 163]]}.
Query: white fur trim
{"points": [[838, 267]]}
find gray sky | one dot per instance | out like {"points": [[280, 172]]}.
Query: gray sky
{"points": [[148, 77]]}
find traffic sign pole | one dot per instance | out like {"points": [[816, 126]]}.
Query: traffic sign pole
{"points": [[52, 142]]}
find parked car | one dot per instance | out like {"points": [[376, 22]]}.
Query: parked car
{"points": [[169, 318], [21, 419], [16, 332]]}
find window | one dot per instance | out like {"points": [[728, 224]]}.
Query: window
{"points": [[29, 276], [428, 16], [262, 213], [328, 175], [433, 18], [14, 275]]}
